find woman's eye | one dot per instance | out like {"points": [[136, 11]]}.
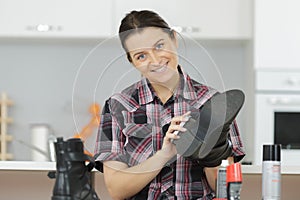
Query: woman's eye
{"points": [[141, 57], [159, 46]]}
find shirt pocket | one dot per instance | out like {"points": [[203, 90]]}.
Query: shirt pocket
{"points": [[138, 144]]}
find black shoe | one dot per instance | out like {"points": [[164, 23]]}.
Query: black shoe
{"points": [[206, 137], [73, 176]]}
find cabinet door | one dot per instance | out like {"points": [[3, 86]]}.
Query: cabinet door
{"points": [[55, 18], [277, 34], [207, 19]]}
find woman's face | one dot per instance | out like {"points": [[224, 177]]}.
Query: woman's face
{"points": [[154, 54]]}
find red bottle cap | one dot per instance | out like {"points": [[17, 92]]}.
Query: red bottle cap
{"points": [[234, 173]]}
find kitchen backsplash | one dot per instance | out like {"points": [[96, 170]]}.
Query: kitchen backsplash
{"points": [[49, 80]]}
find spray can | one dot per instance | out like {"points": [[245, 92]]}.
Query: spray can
{"points": [[271, 172], [221, 180], [234, 181]]}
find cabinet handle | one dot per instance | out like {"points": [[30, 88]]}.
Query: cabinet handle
{"points": [[186, 29], [44, 28], [178, 29], [292, 81], [283, 101], [191, 29]]}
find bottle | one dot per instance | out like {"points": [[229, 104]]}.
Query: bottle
{"points": [[39, 141], [221, 180], [51, 147], [234, 181], [271, 172]]}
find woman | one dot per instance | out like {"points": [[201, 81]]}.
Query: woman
{"points": [[137, 126]]}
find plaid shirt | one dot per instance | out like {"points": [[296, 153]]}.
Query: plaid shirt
{"points": [[132, 127]]}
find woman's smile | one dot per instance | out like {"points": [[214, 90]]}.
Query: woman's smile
{"points": [[160, 69]]}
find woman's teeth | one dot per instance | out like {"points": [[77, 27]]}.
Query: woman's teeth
{"points": [[161, 69]]}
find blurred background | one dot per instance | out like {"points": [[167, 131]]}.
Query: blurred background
{"points": [[57, 58]]}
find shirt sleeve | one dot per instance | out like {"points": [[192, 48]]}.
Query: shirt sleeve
{"points": [[237, 145], [110, 139]]}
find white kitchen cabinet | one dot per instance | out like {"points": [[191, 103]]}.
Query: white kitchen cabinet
{"points": [[55, 18], [205, 19], [277, 34]]}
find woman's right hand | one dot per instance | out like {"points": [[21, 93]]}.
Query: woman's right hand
{"points": [[168, 147]]}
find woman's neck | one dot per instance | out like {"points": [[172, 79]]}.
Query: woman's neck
{"points": [[166, 90]]}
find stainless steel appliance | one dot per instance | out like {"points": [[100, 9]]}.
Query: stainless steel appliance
{"points": [[277, 114]]}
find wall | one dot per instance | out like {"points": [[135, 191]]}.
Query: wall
{"points": [[55, 81]]}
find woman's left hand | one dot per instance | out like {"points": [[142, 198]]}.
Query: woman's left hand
{"points": [[168, 147]]}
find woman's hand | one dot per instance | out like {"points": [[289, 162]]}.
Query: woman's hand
{"points": [[168, 148]]}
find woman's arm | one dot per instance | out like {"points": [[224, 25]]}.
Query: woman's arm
{"points": [[123, 181]]}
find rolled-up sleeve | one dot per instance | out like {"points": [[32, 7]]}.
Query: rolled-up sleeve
{"points": [[237, 145], [110, 139]]}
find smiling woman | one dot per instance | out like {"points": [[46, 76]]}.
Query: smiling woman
{"points": [[153, 53], [136, 134]]}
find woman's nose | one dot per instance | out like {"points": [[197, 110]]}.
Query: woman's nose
{"points": [[154, 58]]}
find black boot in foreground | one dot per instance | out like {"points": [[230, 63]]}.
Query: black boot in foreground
{"points": [[72, 174]]}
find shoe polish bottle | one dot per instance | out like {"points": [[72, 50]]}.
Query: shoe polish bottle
{"points": [[271, 172], [221, 180], [234, 181]]}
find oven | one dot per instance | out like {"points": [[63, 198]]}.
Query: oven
{"points": [[277, 114]]}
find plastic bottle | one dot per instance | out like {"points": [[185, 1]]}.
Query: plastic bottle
{"points": [[271, 172], [221, 180], [234, 181]]}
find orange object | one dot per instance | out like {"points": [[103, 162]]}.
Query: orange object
{"points": [[87, 130], [234, 173]]}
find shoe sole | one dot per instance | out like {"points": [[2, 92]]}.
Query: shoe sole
{"points": [[204, 129]]}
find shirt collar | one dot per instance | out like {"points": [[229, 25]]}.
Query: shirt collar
{"points": [[185, 89], [145, 91]]}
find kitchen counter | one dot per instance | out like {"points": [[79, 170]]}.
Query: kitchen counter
{"points": [[257, 169], [48, 166], [27, 166], [30, 179]]}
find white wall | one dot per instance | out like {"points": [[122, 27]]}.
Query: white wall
{"points": [[44, 77]]}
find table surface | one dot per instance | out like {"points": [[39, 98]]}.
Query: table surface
{"points": [[46, 166]]}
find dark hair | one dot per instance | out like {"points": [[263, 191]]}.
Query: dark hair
{"points": [[136, 21]]}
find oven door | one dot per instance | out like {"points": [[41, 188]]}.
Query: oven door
{"points": [[277, 121]]}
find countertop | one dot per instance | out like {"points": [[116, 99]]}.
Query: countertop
{"points": [[27, 166], [47, 166], [27, 176]]}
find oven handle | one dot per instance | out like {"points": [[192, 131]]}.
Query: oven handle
{"points": [[283, 101]]}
